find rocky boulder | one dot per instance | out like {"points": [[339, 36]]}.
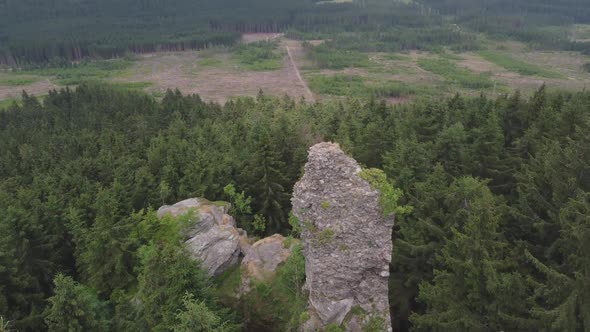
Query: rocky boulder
{"points": [[262, 259], [346, 242], [214, 240]]}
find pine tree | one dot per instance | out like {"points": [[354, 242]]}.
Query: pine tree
{"points": [[477, 287], [267, 182], [107, 252], [562, 298], [197, 317], [166, 274], [74, 307]]}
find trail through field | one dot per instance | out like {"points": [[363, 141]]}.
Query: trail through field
{"points": [[308, 94]]}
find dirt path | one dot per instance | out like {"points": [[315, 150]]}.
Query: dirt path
{"points": [[308, 94]]}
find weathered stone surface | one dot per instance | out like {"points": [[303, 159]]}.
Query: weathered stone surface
{"points": [[262, 259], [346, 242], [214, 239]]}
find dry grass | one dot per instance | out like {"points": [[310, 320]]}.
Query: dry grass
{"points": [[36, 88], [220, 82]]}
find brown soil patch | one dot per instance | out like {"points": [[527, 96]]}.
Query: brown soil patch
{"points": [[254, 37], [37, 89], [218, 83], [398, 100]]}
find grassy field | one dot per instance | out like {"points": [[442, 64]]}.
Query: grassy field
{"points": [[259, 56], [455, 75], [326, 57], [18, 80], [6, 103], [518, 66], [261, 63]]}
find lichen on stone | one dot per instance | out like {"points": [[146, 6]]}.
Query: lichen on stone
{"points": [[347, 245]]}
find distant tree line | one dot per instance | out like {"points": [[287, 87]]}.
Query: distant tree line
{"points": [[53, 31]]}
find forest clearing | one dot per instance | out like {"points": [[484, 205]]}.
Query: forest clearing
{"points": [[216, 75]]}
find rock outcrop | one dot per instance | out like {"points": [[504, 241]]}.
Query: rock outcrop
{"points": [[262, 259], [346, 242], [214, 240]]}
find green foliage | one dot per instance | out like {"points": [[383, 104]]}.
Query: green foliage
{"points": [[488, 179], [240, 203], [295, 224], [106, 248], [357, 86], [196, 316], [260, 56], [375, 324], [227, 286], [454, 74], [279, 304], [333, 328], [475, 286], [74, 307], [325, 205], [160, 295], [389, 196], [4, 325], [87, 71], [259, 223], [517, 66], [327, 57], [17, 80], [325, 236], [4, 104]]}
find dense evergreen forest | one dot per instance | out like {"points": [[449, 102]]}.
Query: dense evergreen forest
{"points": [[498, 238], [59, 32], [65, 31]]}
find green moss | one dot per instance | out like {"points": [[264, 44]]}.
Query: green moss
{"points": [[303, 317], [343, 247], [375, 324], [221, 204], [295, 224], [309, 226], [325, 236], [289, 240], [325, 205], [333, 328]]}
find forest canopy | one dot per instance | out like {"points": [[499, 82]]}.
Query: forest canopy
{"points": [[497, 237], [61, 31]]}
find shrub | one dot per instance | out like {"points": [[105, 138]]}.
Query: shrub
{"points": [[260, 56], [451, 72], [517, 66], [389, 195]]}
